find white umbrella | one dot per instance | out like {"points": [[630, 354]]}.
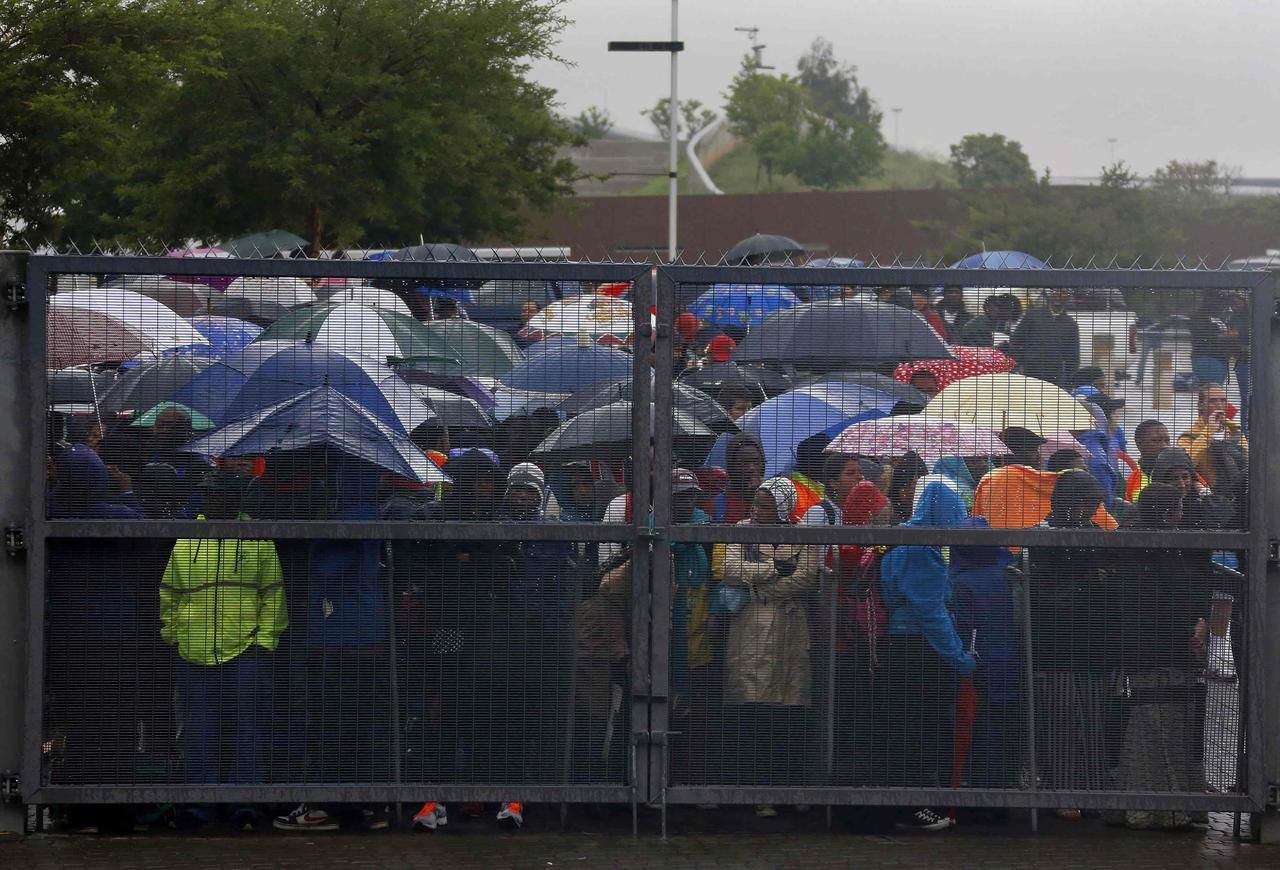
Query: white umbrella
{"points": [[597, 317], [1003, 400], [365, 294], [157, 326]]}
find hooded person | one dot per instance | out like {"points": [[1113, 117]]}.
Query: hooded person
{"points": [[957, 470], [767, 666], [1075, 622], [1200, 508], [745, 464], [925, 654]]}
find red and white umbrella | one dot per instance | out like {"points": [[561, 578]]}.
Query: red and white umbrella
{"points": [[932, 439], [969, 362], [601, 319]]}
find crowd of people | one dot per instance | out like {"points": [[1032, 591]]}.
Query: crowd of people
{"points": [[439, 660]]}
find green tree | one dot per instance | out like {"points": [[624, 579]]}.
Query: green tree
{"points": [[693, 117], [1119, 176], [1186, 177], [984, 161], [592, 123], [76, 74], [834, 91], [756, 100], [356, 119], [835, 153]]}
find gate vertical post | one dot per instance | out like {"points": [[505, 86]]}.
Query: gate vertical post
{"points": [[641, 596], [1262, 642]]}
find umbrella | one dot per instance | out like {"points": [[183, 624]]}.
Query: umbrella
{"points": [[932, 439], [569, 370], [226, 334], [999, 260], [713, 377], [261, 299], [606, 433], [842, 333], [691, 401], [784, 421], [199, 422], [762, 248], [966, 713], [320, 417], [365, 294], [110, 324], [375, 332], [302, 366], [451, 410], [147, 385], [903, 392], [742, 304], [185, 298], [813, 292], [468, 387], [77, 386], [1055, 441], [271, 243], [481, 350], [601, 319], [438, 251], [1004, 400], [514, 403], [218, 281], [969, 361]]}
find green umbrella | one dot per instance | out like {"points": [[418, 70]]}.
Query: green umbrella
{"points": [[376, 332], [482, 350], [268, 244], [199, 422]]}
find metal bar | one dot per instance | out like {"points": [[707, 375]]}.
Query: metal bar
{"points": [[336, 793], [899, 536], [37, 284], [393, 671], [908, 276], [680, 794], [424, 269], [336, 529], [1029, 666], [1262, 521], [641, 556]]}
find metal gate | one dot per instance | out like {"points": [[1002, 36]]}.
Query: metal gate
{"points": [[412, 711]]}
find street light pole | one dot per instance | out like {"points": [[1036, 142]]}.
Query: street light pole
{"points": [[897, 114], [672, 132]]}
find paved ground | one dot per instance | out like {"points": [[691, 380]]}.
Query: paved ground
{"points": [[1061, 844]]}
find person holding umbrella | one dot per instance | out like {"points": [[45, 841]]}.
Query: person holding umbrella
{"points": [[922, 305], [925, 655], [767, 689]]}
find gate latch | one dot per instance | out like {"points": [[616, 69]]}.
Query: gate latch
{"points": [[10, 787], [1273, 553], [1273, 795], [15, 539]]}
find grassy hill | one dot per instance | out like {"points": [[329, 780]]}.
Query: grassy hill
{"points": [[739, 172]]}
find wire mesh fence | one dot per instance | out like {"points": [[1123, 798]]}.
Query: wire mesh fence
{"points": [[358, 531]]}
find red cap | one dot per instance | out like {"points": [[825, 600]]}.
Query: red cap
{"points": [[687, 325], [721, 348]]}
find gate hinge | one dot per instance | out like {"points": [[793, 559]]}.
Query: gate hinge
{"points": [[10, 787], [652, 738], [1273, 795], [15, 296], [649, 533], [15, 539], [1273, 553]]}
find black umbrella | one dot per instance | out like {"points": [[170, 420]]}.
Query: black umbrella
{"points": [[713, 377], [439, 252], [605, 433], [876, 381], [690, 400], [842, 334], [149, 384], [762, 248], [78, 386], [271, 243]]}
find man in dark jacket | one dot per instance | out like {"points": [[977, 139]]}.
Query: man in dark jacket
{"points": [[1046, 343]]}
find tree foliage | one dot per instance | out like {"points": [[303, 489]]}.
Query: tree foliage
{"points": [[984, 161], [591, 123], [356, 119], [834, 91], [693, 117], [1187, 177]]}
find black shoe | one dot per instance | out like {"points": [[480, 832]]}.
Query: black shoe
{"points": [[925, 819]]}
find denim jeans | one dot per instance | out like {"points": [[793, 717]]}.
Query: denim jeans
{"points": [[221, 709]]}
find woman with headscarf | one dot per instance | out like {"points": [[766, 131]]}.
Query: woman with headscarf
{"points": [[925, 655], [1162, 651], [860, 708], [767, 667], [1075, 614]]}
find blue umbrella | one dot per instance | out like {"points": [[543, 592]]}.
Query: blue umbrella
{"points": [[742, 304], [1000, 260], [226, 334], [320, 417], [569, 369], [814, 292], [784, 421], [267, 373]]}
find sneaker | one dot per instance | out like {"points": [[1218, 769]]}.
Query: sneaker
{"points": [[512, 814], [766, 811], [925, 819], [303, 818], [431, 816], [375, 820], [245, 819]]}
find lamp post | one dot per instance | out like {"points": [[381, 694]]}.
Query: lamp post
{"points": [[1111, 140], [897, 115], [674, 47]]}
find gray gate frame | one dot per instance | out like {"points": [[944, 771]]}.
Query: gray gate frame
{"points": [[1263, 291], [42, 269], [651, 610]]}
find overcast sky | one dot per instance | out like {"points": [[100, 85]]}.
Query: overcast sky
{"points": [[1184, 79]]}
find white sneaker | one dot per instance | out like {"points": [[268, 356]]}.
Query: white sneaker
{"points": [[766, 811], [925, 819], [431, 816], [512, 814], [303, 818]]}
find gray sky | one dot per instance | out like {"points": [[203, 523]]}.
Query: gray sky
{"points": [[1184, 79]]}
